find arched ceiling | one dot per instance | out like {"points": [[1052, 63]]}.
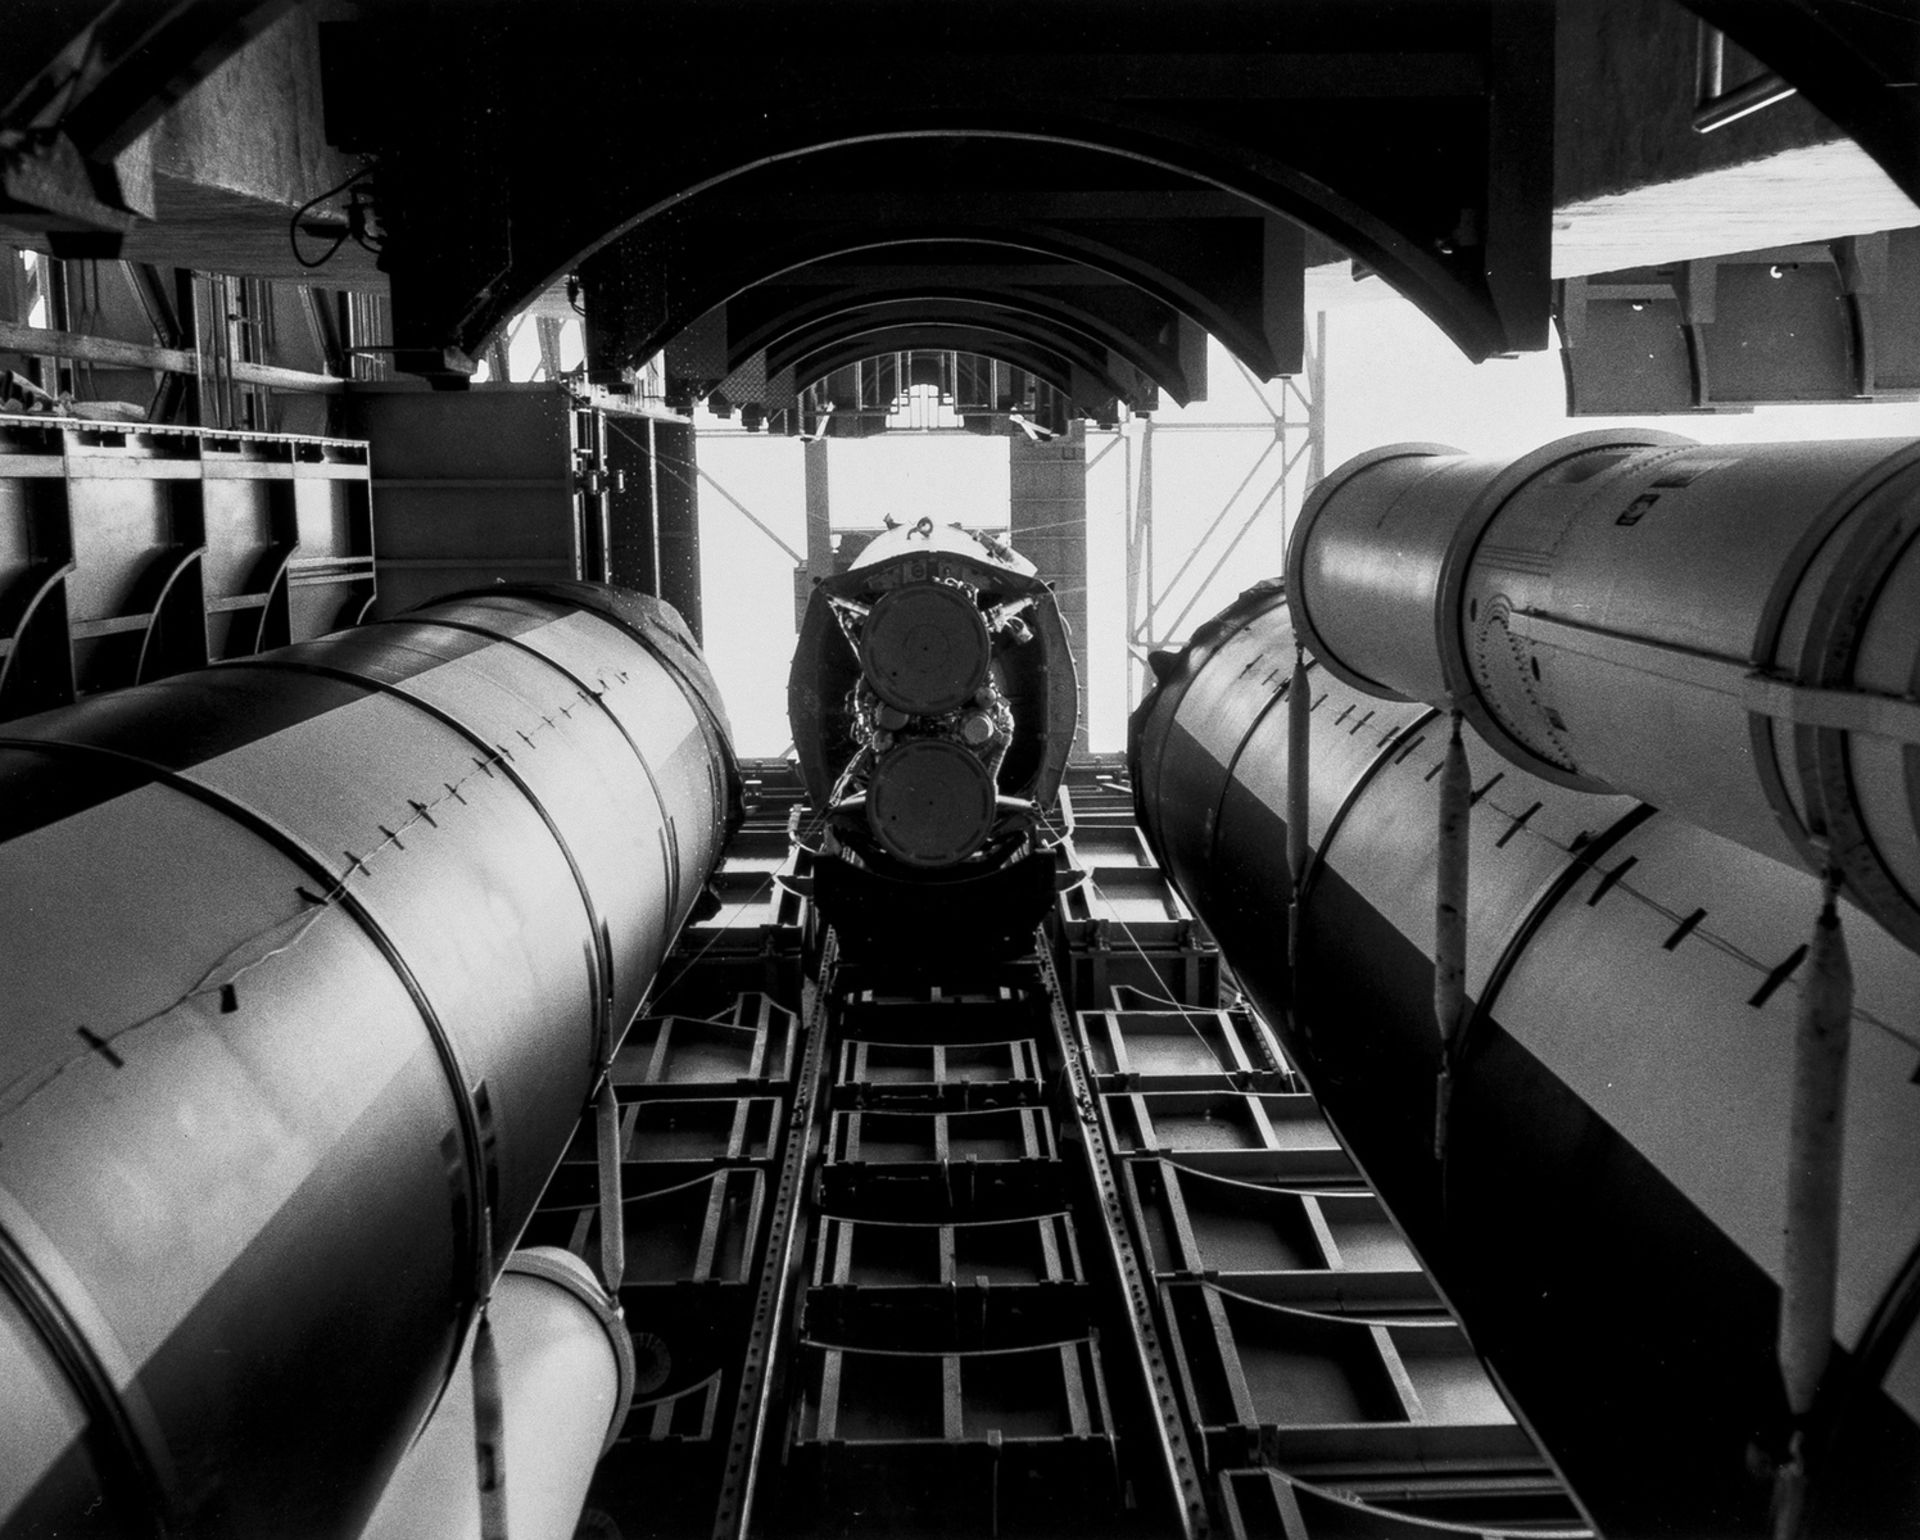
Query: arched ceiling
{"points": [[1021, 353], [1078, 310], [686, 151], [1400, 132], [1097, 376], [691, 157], [1152, 254]]}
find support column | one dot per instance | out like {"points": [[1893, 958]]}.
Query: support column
{"points": [[1048, 502], [1140, 568], [819, 528], [677, 518], [1317, 404], [633, 546]]}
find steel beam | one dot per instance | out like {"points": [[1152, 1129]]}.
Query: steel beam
{"points": [[46, 343], [1047, 523]]}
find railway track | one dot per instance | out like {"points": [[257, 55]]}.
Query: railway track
{"points": [[1052, 1246]]}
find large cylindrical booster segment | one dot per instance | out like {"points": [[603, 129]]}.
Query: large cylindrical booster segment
{"points": [[1608, 1214], [566, 1375], [308, 966], [1730, 632]]}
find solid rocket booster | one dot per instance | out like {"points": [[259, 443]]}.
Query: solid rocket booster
{"points": [[308, 966], [1608, 1208]]}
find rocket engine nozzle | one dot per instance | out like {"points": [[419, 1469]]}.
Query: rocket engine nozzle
{"points": [[933, 702]]}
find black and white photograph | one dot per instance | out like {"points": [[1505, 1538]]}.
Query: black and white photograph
{"points": [[992, 770]]}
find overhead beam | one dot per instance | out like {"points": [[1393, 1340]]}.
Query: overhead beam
{"points": [[1138, 76], [43, 342]]}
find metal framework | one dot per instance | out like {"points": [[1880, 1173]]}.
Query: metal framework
{"points": [[132, 341], [1007, 1250], [1292, 458]]}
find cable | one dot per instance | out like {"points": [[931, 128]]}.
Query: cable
{"points": [[1431, 1315], [734, 919], [1263, 1187], [222, 975], [293, 225], [1145, 994], [1436, 1527]]}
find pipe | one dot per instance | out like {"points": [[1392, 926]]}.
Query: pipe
{"points": [[488, 1438], [1609, 1217], [1815, 1148], [1299, 739], [1730, 632], [565, 1377], [1745, 99], [613, 1208], [308, 966], [1451, 864]]}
